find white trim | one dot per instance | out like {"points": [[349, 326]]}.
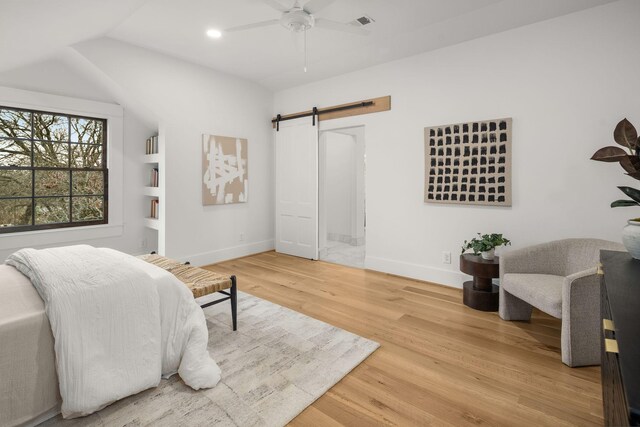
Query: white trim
{"points": [[426, 273], [10, 97], [212, 257], [336, 125], [29, 239]]}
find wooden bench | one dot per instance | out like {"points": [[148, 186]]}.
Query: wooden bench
{"points": [[200, 282]]}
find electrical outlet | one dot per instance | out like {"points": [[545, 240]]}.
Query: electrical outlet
{"points": [[143, 243], [446, 257], [242, 237]]}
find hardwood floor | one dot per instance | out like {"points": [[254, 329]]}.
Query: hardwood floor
{"points": [[439, 363]]}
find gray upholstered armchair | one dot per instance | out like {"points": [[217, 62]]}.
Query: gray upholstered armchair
{"points": [[560, 279]]}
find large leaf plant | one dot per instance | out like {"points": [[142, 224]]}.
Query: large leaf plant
{"points": [[626, 136]]}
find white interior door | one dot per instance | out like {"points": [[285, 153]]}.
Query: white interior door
{"points": [[297, 188]]}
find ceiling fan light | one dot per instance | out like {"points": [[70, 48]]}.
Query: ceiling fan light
{"points": [[297, 27], [297, 20], [214, 34]]}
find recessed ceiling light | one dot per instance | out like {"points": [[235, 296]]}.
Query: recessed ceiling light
{"points": [[214, 34]]}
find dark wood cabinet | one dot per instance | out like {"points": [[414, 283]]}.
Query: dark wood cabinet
{"points": [[620, 344]]}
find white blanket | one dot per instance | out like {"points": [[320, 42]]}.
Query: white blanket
{"points": [[118, 323]]}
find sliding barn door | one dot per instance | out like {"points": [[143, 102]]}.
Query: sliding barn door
{"points": [[297, 188]]}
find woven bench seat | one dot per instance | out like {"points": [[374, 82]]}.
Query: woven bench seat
{"points": [[200, 282]]}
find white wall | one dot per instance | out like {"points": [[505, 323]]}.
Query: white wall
{"points": [[566, 82], [188, 100], [56, 77], [358, 219], [70, 91], [340, 184]]}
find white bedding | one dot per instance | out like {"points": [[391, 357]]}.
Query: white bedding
{"points": [[118, 323]]}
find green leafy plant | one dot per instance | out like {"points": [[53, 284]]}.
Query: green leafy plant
{"points": [[484, 243], [625, 135]]}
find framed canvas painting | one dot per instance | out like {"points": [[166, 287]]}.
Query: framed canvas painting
{"points": [[468, 163], [225, 174]]}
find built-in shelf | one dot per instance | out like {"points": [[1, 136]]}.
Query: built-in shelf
{"points": [[153, 196], [151, 158], [152, 223], [151, 191]]}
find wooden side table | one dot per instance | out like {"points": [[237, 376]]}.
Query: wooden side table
{"points": [[481, 293]]}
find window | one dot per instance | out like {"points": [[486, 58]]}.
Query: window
{"points": [[53, 170]]}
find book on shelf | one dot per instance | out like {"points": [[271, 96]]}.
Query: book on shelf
{"points": [[155, 178], [152, 145], [155, 208]]}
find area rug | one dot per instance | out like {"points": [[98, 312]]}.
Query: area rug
{"points": [[276, 364]]}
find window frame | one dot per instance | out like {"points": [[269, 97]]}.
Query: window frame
{"points": [[32, 168]]}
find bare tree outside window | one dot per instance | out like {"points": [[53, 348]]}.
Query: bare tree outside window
{"points": [[53, 170]]}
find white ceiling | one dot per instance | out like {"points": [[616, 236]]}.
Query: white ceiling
{"points": [[269, 55], [30, 29]]}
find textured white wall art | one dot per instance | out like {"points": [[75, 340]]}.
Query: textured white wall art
{"points": [[468, 163], [225, 176]]}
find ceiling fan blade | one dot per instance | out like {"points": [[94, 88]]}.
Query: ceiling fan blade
{"points": [[275, 4], [315, 6], [251, 26], [339, 26]]}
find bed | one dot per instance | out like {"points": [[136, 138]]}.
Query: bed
{"points": [[26, 347], [29, 382]]}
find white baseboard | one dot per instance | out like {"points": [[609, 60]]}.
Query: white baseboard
{"points": [[357, 241], [349, 240], [416, 271], [337, 237], [225, 254]]}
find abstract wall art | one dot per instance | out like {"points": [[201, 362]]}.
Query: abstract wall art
{"points": [[225, 176], [468, 163]]}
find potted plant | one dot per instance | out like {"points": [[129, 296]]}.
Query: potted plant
{"points": [[485, 245], [626, 136]]}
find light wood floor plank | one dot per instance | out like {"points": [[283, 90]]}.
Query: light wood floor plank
{"points": [[440, 362]]}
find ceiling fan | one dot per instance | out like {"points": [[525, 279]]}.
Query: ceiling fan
{"points": [[302, 18]]}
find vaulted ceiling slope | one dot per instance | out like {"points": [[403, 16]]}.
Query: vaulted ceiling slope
{"points": [[272, 56], [34, 30]]}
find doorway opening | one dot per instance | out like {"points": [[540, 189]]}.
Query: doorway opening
{"points": [[341, 197]]}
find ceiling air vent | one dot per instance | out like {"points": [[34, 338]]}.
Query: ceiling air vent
{"points": [[365, 20]]}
